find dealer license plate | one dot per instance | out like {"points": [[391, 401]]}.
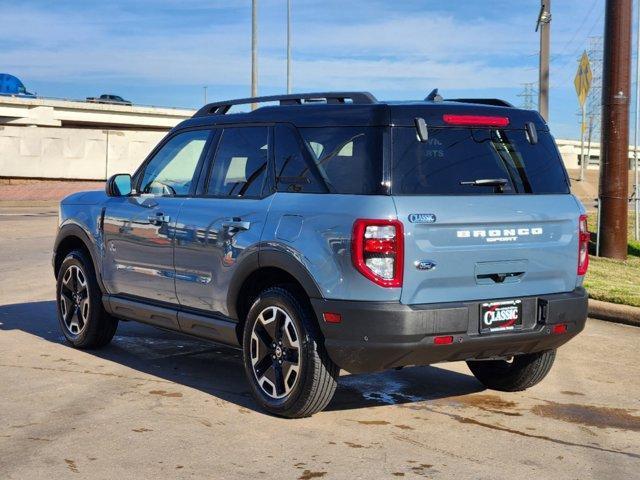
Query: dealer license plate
{"points": [[501, 316]]}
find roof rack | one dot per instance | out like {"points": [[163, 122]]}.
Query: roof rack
{"points": [[482, 101], [358, 98]]}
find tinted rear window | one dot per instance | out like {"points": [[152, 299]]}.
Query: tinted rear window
{"points": [[348, 159], [455, 155]]}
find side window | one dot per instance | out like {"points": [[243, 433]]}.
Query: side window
{"points": [[295, 172], [240, 165], [349, 159], [171, 170]]}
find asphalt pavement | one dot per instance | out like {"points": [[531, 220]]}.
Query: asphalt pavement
{"points": [[155, 404]]}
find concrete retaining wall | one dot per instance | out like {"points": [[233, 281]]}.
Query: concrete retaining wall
{"points": [[72, 153]]}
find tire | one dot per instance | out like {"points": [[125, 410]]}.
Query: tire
{"points": [[308, 378], [82, 318], [523, 372]]}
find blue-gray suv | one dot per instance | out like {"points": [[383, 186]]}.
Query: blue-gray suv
{"points": [[330, 231]]}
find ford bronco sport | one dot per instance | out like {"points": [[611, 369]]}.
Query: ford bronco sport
{"points": [[331, 231]]}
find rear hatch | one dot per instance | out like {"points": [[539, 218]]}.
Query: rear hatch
{"points": [[487, 213]]}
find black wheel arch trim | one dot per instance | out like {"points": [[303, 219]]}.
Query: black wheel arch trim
{"points": [[269, 257], [75, 230]]}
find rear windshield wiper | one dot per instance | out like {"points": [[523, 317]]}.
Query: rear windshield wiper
{"points": [[499, 183]]}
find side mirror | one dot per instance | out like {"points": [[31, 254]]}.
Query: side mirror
{"points": [[119, 185], [421, 129]]}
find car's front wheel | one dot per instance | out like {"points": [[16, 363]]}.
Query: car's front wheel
{"points": [[519, 373], [82, 317], [286, 364]]}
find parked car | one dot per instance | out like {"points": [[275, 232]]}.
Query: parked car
{"points": [[11, 85], [107, 98], [334, 232]]}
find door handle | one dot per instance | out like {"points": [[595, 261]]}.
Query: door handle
{"points": [[236, 225], [159, 218]]}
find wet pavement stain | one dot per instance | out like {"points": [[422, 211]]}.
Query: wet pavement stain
{"points": [[589, 415], [471, 421], [71, 465], [373, 422], [164, 393], [488, 403], [354, 445], [404, 427], [422, 469], [308, 475]]}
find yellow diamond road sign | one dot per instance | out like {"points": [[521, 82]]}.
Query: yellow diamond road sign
{"points": [[583, 79]]}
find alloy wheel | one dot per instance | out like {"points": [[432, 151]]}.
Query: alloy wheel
{"points": [[74, 300], [275, 352]]}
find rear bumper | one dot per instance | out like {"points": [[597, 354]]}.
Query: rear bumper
{"points": [[375, 336]]}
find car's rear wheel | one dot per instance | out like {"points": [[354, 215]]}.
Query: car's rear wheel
{"points": [[520, 373], [81, 315], [286, 364]]}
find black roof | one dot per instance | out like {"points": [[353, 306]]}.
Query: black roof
{"points": [[355, 109]]}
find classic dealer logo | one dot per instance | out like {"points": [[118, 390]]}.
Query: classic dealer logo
{"points": [[500, 234], [505, 315]]}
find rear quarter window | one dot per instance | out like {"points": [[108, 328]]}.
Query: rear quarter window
{"points": [[348, 160], [453, 157]]}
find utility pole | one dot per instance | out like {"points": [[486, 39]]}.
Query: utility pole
{"points": [[614, 163], [254, 51], [288, 46], [544, 25], [205, 94]]}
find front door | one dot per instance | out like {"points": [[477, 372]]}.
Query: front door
{"points": [[218, 228], [139, 230]]}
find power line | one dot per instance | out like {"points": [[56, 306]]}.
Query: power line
{"points": [[575, 34]]}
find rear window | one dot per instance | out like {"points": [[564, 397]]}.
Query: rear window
{"points": [[475, 161], [348, 159]]}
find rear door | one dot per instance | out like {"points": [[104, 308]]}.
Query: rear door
{"points": [[487, 215], [222, 224]]}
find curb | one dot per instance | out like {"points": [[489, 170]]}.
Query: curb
{"points": [[613, 312]]}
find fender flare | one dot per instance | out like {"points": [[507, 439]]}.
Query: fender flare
{"points": [[75, 230], [270, 258]]}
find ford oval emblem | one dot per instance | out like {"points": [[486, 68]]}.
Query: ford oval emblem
{"points": [[422, 217], [424, 264]]}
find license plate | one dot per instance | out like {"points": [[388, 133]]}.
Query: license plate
{"points": [[501, 316]]}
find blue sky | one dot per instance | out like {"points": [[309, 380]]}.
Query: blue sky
{"points": [[162, 52]]}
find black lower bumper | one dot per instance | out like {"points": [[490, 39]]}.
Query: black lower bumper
{"points": [[375, 336]]}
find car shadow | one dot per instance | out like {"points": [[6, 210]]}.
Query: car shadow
{"points": [[218, 370]]}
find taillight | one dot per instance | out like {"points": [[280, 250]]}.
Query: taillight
{"points": [[377, 251], [583, 245], [476, 120]]}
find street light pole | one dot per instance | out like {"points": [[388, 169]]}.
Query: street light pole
{"points": [[544, 25], [636, 188], [614, 158], [254, 51], [288, 46]]}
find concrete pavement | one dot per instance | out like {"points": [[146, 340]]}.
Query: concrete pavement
{"points": [[159, 405]]}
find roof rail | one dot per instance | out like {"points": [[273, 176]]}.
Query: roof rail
{"points": [[482, 101], [220, 108]]}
